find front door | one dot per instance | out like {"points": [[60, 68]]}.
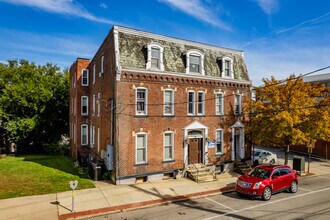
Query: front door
{"points": [[195, 150], [237, 145]]}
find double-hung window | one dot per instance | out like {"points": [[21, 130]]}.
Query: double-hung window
{"points": [[141, 101], [84, 78], [98, 104], [168, 102], [227, 67], [141, 148], [200, 103], [168, 146], [155, 57], [84, 105], [191, 103], [92, 132], [93, 109], [94, 73], [238, 104], [219, 141], [195, 62], [84, 134], [102, 66], [219, 103]]}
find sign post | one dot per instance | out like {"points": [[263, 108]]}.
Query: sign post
{"points": [[310, 146], [73, 186]]}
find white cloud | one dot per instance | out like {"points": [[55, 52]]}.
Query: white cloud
{"points": [[268, 6], [67, 7], [198, 10], [103, 5]]}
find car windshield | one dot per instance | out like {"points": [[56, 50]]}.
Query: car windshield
{"points": [[256, 153], [259, 172]]}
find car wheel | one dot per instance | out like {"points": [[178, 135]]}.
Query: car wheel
{"points": [[267, 194], [293, 187], [272, 162]]}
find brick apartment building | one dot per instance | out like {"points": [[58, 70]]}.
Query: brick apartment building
{"points": [[148, 105]]}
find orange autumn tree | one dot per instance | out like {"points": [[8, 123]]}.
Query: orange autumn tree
{"points": [[288, 113]]}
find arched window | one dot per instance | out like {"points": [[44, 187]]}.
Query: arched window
{"points": [[195, 62], [155, 57]]}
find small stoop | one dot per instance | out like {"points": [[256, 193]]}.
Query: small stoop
{"points": [[200, 173], [241, 167]]}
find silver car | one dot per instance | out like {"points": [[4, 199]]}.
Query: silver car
{"points": [[264, 157]]}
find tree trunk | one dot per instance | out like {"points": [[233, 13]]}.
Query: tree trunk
{"points": [[287, 154]]}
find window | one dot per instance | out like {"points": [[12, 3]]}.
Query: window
{"points": [[84, 105], [141, 148], [94, 72], [84, 134], [168, 102], [227, 67], [238, 104], [141, 101], [200, 103], [93, 109], [84, 80], [74, 80], [168, 146], [92, 135], [98, 104], [194, 62], [219, 141], [98, 140], [155, 57], [191, 103], [219, 103], [155, 54], [102, 66]]}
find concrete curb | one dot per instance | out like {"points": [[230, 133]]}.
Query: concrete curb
{"points": [[105, 210]]}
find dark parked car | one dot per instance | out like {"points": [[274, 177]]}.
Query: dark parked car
{"points": [[265, 180]]}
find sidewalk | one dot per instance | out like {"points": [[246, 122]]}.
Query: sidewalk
{"points": [[110, 198]]}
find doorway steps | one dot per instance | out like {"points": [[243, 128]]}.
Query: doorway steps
{"points": [[241, 167], [200, 173]]}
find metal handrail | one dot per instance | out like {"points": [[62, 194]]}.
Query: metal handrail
{"points": [[209, 159]]}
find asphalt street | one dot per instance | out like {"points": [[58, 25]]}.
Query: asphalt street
{"points": [[312, 201]]}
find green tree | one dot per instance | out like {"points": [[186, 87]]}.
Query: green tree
{"points": [[33, 104], [288, 113]]}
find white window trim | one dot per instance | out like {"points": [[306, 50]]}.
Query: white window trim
{"points": [[231, 72], [93, 107], [161, 63], [194, 103], [84, 125], [203, 103], [98, 104], [146, 102], [172, 149], [102, 66], [83, 97], [222, 147], [92, 136], [82, 77], [222, 103], [172, 103], [94, 73], [240, 104], [146, 148], [98, 140], [194, 53]]}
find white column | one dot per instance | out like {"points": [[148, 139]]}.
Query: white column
{"points": [[242, 143], [206, 158], [185, 149], [232, 144]]}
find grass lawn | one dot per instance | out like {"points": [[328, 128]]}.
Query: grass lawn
{"points": [[38, 174]]}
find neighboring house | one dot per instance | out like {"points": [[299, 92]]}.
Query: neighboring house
{"points": [[149, 105], [322, 148]]}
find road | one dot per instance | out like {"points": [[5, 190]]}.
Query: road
{"points": [[312, 201]]}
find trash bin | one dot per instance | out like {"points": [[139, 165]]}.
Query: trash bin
{"points": [[219, 167], [95, 171], [299, 164]]}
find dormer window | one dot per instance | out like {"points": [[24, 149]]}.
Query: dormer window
{"points": [[226, 67], [195, 62], [155, 57]]}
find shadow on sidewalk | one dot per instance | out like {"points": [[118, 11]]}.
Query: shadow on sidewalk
{"points": [[58, 203]]}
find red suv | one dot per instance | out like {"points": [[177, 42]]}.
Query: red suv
{"points": [[265, 180]]}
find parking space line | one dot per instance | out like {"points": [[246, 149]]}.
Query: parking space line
{"points": [[305, 189], [220, 204], [267, 203]]}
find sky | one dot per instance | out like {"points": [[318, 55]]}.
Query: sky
{"points": [[278, 37]]}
